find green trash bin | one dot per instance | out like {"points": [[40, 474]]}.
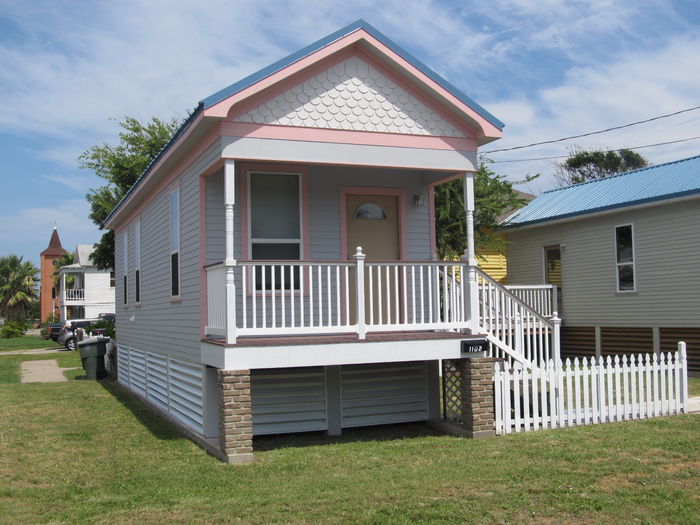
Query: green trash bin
{"points": [[92, 353]]}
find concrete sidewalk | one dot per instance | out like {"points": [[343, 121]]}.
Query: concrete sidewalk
{"points": [[43, 371], [693, 405], [35, 351]]}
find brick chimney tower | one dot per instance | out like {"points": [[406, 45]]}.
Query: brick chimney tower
{"points": [[48, 302]]}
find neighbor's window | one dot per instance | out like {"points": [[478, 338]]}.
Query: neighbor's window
{"points": [[275, 225], [175, 243], [112, 279], [137, 262], [624, 252]]}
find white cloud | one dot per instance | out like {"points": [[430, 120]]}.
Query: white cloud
{"points": [[632, 87], [29, 230]]}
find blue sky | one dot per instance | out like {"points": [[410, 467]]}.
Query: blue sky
{"points": [[548, 69]]}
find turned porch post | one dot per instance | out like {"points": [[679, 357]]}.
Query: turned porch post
{"points": [[230, 261], [469, 256], [63, 309]]}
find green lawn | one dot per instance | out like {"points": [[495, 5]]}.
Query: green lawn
{"points": [[84, 451], [27, 342]]}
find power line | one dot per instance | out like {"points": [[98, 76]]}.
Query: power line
{"points": [[619, 149], [592, 132]]}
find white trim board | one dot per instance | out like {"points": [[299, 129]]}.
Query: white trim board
{"points": [[252, 357], [297, 151]]}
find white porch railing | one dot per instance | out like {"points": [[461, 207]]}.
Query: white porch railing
{"points": [[322, 297], [590, 392], [319, 297], [541, 297], [77, 294]]}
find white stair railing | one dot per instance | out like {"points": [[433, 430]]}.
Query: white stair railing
{"points": [[515, 329]]}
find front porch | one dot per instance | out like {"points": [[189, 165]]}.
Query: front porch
{"points": [[278, 313]]}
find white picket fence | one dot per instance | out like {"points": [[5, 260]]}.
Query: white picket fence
{"points": [[586, 392]]}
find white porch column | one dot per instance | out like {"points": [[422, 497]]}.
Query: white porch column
{"points": [[469, 257], [62, 305], [230, 261]]}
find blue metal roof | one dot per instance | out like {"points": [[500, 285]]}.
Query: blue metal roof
{"points": [[333, 37], [655, 183]]}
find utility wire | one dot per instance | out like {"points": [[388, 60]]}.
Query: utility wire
{"points": [[592, 132], [619, 149]]}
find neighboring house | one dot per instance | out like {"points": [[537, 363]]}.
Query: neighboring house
{"points": [[91, 292], [625, 251], [48, 298], [244, 306]]}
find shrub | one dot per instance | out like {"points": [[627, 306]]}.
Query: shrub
{"points": [[12, 329]]}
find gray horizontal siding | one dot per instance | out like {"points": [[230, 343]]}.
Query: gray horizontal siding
{"points": [[160, 324], [667, 251], [384, 393], [288, 400]]}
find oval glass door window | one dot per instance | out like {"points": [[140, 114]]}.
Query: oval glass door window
{"points": [[370, 211]]}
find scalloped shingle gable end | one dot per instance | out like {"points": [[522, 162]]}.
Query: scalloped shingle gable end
{"points": [[352, 95]]}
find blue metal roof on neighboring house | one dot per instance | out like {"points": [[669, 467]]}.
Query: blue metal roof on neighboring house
{"points": [[312, 48], [655, 183]]}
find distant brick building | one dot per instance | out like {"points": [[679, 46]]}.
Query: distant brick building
{"points": [[47, 298]]}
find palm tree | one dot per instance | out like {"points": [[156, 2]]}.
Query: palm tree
{"points": [[63, 260], [18, 281]]}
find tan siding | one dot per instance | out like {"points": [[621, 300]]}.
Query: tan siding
{"points": [[667, 250]]}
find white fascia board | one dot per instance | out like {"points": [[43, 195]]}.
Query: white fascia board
{"points": [[252, 357], [277, 150]]}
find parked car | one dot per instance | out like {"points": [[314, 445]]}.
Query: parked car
{"points": [[110, 318], [54, 331], [67, 336]]}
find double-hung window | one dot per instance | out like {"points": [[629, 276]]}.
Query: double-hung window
{"points": [[275, 225], [624, 254], [125, 265], [137, 262], [175, 243]]}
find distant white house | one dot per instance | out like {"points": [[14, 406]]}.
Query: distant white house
{"points": [[91, 292]]}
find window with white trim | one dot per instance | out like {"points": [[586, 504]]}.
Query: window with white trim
{"points": [[175, 243], [275, 223], [137, 262], [125, 265], [624, 254]]}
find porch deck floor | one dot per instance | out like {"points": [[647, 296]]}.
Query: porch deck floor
{"points": [[373, 337]]}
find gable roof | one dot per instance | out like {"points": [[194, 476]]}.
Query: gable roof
{"points": [[201, 113], [333, 37], [655, 183]]}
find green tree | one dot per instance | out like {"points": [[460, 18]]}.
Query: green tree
{"points": [[18, 291], [121, 165], [493, 195], [63, 260], [584, 165]]}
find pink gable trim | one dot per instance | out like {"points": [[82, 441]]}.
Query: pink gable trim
{"points": [[369, 190], [360, 36]]}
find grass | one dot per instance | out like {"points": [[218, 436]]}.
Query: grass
{"points": [[694, 386], [84, 451], [27, 342]]}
